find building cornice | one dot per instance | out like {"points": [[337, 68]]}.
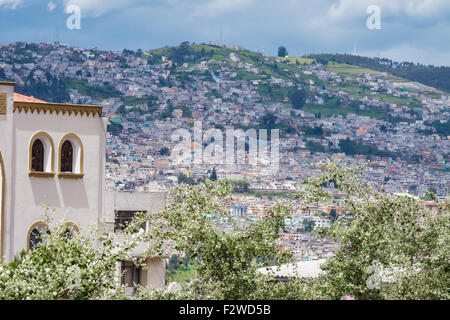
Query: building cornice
{"points": [[58, 108], [7, 83]]}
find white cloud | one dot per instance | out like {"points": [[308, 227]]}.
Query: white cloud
{"points": [[203, 8], [428, 9], [51, 6], [10, 4], [97, 8], [213, 8]]}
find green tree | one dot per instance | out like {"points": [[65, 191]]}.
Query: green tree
{"points": [[184, 179], [282, 52], [227, 260], [213, 176], [164, 151], [65, 267], [297, 99], [391, 247], [309, 225], [115, 128], [430, 195]]}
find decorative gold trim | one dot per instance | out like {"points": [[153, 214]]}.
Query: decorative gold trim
{"points": [[41, 174], [2, 102], [37, 173], [2, 218], [31, 229], [71, 175], [7, 83], [58, 108]]}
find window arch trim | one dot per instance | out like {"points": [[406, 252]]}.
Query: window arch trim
{"points": [[78, 145], [47, 138], [33, 226]]}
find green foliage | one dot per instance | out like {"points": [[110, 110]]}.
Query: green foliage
{"points": [[442, 128], [187, 112], [227, 259], [315, 147], [164, 151], [213, 176], [314, 131], [432, 76], [95, 91], [51, 90], [275, 92], [184, 179], [352, 147], [391, 248], [430, 195], [115, 128], [239, 186], [309, 225], [64, 267], [297, 99], [282, 52], [148, 100]]}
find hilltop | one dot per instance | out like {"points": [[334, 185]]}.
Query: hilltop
{"points": [[321, 107], [433, 76]]}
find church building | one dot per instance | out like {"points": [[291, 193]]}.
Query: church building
{"points": [[55, 154]]}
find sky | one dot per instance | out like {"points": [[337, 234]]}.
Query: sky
{"points": [[410, 30]]}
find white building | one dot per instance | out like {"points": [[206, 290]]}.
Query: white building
{"points": [[55, 154]]}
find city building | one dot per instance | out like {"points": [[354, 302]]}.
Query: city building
{"points": [[54, 154]]}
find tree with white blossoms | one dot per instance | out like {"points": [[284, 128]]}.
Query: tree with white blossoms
{"points": [[389, 247], [227, 259], [66, 265]]}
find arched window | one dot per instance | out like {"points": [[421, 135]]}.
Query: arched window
{"points": [[41, 155], [35, 235], [70, 157], [67, 157], [37, 156]]}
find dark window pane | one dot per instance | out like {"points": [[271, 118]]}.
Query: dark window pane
{"points": [[67, 157], [37, 156], [36, 236], [130, 274], [123, 218]]}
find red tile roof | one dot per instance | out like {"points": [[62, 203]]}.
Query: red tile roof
{"points": [[21, 98]]}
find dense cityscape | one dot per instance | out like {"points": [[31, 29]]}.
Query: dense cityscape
{"points": [[322, 109]]}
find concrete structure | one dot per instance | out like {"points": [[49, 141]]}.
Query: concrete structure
{"points": [[55, 154], [119, 204], [305, 269]]}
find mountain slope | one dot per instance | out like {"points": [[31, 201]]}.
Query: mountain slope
{"points": [[436, 77]]}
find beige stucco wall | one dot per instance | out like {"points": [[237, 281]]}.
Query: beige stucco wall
{"points": [[132, 201], [80, 201], [77, 200], [6, 149], [155, 275]]}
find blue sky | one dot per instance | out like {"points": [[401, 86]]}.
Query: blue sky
{"points": [[411, 30]]}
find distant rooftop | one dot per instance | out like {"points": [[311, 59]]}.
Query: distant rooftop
{"points": [[306, 269]]}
